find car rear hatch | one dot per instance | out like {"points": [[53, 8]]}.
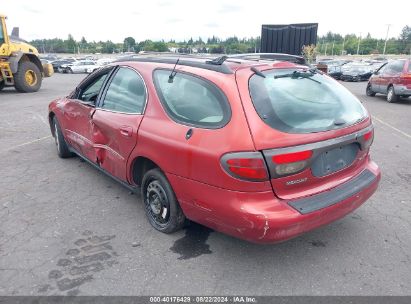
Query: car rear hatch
{"points": [[313, 133], [405, 78]]}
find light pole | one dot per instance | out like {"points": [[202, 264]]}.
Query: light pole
{"points": [[386, 38], [343, 46], [358, 46]]}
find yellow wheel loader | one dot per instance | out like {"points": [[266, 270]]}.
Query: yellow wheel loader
{"points": [[20, 65]]}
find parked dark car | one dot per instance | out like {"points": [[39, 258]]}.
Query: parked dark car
{"points": [[356, 73], [262, 151], [334, 71], [392, 79], [335, 68], [58, 63]]}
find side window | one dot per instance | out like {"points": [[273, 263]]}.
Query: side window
{"points": [[126, 93], [382, 69], [92, 87], [388, 68], [398, 66], [192, 100]]}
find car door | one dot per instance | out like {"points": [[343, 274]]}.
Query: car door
{"points": [[87, 65], [116, 120], [376, 79], [78, 110], [386, 77]]}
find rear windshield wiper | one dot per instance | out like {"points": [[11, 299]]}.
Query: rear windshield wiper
{"points": [[257, 72], [299, 75]]}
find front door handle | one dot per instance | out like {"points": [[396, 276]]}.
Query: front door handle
{"points": [[126, 131], [91, 114]]}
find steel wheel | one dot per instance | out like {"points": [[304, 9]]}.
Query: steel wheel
{"points": [[391, 96], [160, 203], [369, 91], [157, 204]]}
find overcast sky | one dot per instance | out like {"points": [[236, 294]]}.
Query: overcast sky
{"points": [[182, 19]]}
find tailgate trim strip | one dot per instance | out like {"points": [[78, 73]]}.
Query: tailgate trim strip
{"points": [[335, 195], [317, 148]]}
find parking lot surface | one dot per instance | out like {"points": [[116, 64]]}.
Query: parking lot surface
{"points": [[67, 229]]}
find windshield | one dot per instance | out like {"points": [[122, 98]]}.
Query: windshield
{"points": [[303, 102], [1, 35]]}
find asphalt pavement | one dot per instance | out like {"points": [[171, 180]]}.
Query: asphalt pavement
{"points": [[67, 229]]}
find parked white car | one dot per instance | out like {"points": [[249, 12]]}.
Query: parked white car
{"points": [[100, 63], [78, 67]]}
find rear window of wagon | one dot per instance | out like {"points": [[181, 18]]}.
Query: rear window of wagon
{"points": [[297, 101]]}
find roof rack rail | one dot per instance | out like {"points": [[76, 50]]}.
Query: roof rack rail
{"points": [[218, 60], [186, 61], [271, 57]]}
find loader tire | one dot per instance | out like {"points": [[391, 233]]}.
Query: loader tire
{"points": [[28, 77]]}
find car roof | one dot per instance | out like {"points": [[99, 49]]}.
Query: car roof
{"points": [[222, 64]]}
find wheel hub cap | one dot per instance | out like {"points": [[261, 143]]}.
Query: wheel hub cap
{"points": [[30, 77], [155, 206]]}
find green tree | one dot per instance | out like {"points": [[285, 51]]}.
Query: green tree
{"points": [[405, 40], [160, 46], [108, 47], [129, 44], [70, 44]]}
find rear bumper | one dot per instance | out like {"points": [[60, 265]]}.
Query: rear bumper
{"points": [[402, 90], [261, 217]]}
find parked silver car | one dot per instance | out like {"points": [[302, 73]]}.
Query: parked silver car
{"points": [[77, 67]]}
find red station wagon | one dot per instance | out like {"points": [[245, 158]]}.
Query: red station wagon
{"points": [[393, 79], [260, 150]]}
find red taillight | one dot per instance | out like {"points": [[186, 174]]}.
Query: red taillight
{"points": [[292, 157], [368, 138], [246, 165], [368, 135], [405, 80]]}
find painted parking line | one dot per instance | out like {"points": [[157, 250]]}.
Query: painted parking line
{"points": [[391, 126], [27, 143]]}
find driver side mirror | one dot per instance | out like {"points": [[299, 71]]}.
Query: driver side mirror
{"points": [[88, 103]]}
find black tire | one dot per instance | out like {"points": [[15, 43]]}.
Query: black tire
{"points": [[69, 71], [61, 144], [391, 96], [20, 82], [162, 208], [2, 85], [369, 91]]}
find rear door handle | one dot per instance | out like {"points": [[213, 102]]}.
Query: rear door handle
{"points": [[126, 131]]}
